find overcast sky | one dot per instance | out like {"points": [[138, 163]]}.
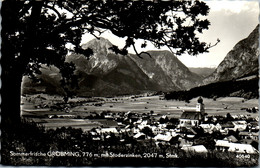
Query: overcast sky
{"points": [[231, 21]]}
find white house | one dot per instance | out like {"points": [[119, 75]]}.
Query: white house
{"points": [[156, 130], [222, 145], [143, 124], [240, 125], [208, 128], [254, 136]]}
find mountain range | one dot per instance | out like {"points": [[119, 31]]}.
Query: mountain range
{"points": [[108, 74], [111, 73]]}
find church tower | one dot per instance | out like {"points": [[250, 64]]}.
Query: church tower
{"points": [[200, 106]]}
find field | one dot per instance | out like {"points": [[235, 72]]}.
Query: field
{"points": [[143, 104]]}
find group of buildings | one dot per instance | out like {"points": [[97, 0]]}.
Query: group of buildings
{"points": [[236, 134], [194, 130]]}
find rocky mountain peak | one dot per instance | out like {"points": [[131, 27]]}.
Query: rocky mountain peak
{"points": [[102, 60], [100, 45]]}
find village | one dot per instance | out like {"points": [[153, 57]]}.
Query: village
{"points": [[194, 130]]}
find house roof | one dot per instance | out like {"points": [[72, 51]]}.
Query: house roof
{"points": [[189, 110], [185, 142], [138, 135], [106, 130], [241, 122], [246, 141], [191, 115], [254, 124], [231, 138], [162, 137], [228, 124], [222, 143], [255, 133], [197, 148], [200, 148], [206, 125], [244, 133], [188, 130], [242, 148]]}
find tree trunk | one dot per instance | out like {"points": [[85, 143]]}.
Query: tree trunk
{"points": [[13, 66], [10, 96]]}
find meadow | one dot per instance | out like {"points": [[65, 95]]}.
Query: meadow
{"points": [[38, 108]]}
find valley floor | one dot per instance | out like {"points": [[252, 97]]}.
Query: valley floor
{"points": [[40, 108]]}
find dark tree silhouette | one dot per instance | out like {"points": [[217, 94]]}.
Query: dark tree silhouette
{"points": [[36, 33], [147, 131], [229, 117]]}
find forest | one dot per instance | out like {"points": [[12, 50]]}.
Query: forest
{"points": [[247, 89]]}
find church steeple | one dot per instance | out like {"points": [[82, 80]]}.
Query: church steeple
{"points": [[200, 106], [200, 100]]}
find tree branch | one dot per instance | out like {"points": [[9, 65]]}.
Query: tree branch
{"points": [[210, 46], [53, 8], [139, 54], [25, 8]]}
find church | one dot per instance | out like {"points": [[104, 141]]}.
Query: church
{"points": [[193, 117]]}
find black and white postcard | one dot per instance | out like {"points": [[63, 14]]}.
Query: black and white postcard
{"points": [[129, 83]]}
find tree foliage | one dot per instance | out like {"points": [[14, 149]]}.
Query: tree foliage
{"points": [[148, 131], [43, 28], [39, 32]]}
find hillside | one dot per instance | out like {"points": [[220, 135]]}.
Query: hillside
{"points": [[242, 60], [202, 71], [49, 82], [165, 69]]}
